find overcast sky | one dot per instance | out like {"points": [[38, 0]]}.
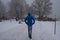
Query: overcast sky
{"points": [[56, 6]]}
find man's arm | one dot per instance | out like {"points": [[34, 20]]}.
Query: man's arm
{"points": [[26, 20], [33, 20]]}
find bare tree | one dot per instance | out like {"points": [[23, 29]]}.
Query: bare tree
{"points": [[26, 9], [42, 7], [2, 9], [17, 8]]}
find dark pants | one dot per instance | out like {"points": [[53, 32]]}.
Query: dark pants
{"points": [[30, 31]]}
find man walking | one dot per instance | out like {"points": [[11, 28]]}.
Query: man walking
{"points": [[29, 20]]}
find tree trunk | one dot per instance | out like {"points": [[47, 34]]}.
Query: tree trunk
{"points": [[39, 17]]}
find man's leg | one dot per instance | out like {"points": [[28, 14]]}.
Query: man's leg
{"points": [[30, 32]]}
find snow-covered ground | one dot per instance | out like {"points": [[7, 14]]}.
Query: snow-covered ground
{"points": [[11, 30]]}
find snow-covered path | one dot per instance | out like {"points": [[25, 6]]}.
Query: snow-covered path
{"points": [[14, 31]]}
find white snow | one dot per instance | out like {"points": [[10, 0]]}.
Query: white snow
{"points": [[6, 25], [58, 31], [41, 31]]}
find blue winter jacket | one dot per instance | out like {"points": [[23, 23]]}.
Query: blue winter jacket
{"points": [[29, 20]]}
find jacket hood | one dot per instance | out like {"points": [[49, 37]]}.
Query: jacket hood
{"points": [[29, 13]]}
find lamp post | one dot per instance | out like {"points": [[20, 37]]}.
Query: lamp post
{"points": [[55, 25]]}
